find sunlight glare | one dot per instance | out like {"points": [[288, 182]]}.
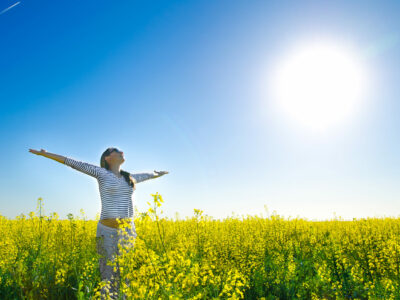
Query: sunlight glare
{"points": [[319, 86]]}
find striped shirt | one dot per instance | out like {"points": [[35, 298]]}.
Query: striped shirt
{"points": [[116, 194]]}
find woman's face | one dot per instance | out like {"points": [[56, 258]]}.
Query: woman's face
{"points": [[115, 157]]}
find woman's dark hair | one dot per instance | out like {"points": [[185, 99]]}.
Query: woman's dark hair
{"points": [[104, 164]]}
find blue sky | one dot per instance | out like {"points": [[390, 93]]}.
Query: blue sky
{"points": [[178, 86]]}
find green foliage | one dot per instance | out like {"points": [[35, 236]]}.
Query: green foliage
{"points": [[43, 257]]}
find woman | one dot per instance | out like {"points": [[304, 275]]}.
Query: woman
{"points": [[116, 188]]}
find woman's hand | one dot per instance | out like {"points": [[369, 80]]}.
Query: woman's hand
{"points": [[41, 152], [160, 173], [44, 153]]}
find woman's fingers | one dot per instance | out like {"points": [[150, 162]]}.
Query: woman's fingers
{"points": [[160, 173], [37, 152]]}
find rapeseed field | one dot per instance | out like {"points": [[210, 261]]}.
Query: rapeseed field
{"points": [[253, 257]]}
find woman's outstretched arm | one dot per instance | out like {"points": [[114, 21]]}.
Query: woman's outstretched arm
{"points": [[81, 166], [44, 153], [148, 175]]}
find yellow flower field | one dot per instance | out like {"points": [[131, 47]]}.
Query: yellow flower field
{"points": [[43, 257]]}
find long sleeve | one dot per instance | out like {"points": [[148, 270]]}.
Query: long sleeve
{"points": [[143, 176], [84, 167]]}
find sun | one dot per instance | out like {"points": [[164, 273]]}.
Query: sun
{"points": [[319, 85]]}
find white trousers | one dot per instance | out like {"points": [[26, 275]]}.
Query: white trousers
{"points": [[107, 240]]}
